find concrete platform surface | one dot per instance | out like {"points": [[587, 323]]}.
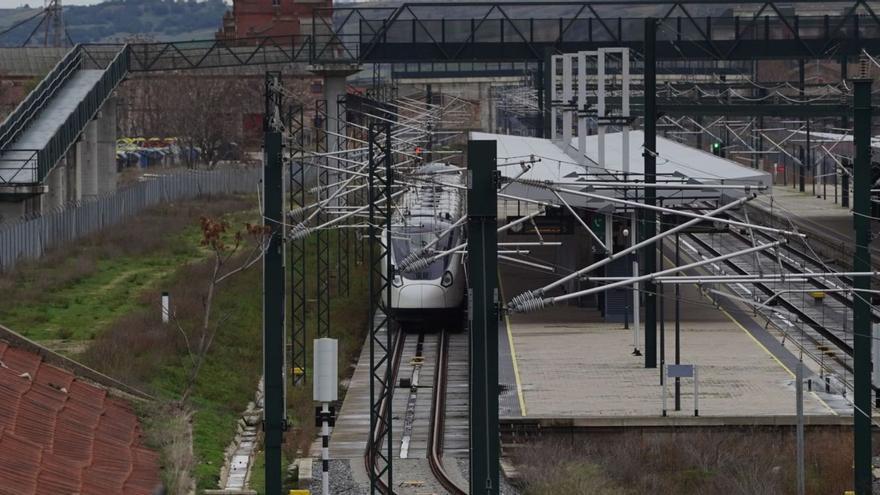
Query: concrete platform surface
{"points": [[571, 368]]}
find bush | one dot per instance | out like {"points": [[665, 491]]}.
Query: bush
{"points": [[732, 462]]}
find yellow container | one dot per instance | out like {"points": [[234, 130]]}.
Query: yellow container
{"points": [[299, 492]]}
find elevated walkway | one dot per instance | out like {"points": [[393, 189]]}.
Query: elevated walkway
{"points": [[43, 128], [39, 132]]}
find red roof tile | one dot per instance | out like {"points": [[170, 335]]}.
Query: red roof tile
{"points": [[61, 435], [58, 475], [54, 377], [22, 361], [19, 464]]}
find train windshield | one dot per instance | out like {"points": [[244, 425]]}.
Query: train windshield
{"points": [[415, 238]]}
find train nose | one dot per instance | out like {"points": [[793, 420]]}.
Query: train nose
{"points": [[422, 296]]}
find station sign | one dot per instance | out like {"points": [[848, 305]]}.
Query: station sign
{"points": [[547, 225]]}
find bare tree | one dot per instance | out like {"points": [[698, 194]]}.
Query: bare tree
{"points": [[204, 112], [230, 257]]}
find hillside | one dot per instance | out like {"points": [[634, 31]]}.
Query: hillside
{"points": [[117, 20]]}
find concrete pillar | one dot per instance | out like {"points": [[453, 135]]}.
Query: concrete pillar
{"points": [[71, 170], [489, 102], [106, 147], [56, 195], [87, 161], [485, 104]]}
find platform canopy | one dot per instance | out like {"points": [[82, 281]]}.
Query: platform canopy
{"points": [[553, 162]]}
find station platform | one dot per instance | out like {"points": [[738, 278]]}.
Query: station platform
{"points": [[570, 364]]}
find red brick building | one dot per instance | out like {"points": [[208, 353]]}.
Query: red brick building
{"points": [[270, 17]]}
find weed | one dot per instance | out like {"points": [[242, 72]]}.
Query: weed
{"points": [[734, 462]]}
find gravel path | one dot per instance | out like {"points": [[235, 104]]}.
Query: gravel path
{"points": [[341, 480], [506, 488]]}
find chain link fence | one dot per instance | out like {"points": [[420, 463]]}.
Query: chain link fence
{"points": [[30, 238]]}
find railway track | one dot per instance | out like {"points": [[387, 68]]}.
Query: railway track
{"points": [[419, 433], [819, 326]]}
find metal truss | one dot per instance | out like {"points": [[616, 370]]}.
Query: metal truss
{"points": [[343, 244], [297, 247], [381, 330], [508, 31], [322, 241], [206, 54]]}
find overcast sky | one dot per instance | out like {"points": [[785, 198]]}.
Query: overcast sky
{"points": [[11, 4]]}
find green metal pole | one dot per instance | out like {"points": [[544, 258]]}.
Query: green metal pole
{"points": [[273, 313], [649, 226], [483, 316], [861, 302]]}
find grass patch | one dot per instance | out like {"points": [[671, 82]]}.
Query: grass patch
{"points": [[103, 292], [74, 293], [142, 351]]}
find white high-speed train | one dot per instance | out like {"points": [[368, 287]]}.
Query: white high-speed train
{"points": [[424, 224]]}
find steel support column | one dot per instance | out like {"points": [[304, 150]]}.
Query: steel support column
{"points": [[322, 241], [649, 253], [483, 317], [297, 249], [343, 245], [274, 421], [381, 273], [802, 157], [862, 330]]}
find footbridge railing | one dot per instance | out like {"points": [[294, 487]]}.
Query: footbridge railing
{"points": [[30, 166], [25, 112]]}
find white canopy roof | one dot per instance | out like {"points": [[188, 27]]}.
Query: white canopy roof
{"points": [[559, 166]]}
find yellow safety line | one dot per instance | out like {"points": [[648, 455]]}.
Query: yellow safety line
{"points": [[519, 391], [759, 344]]}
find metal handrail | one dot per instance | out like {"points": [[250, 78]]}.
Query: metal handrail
{"points": [[27, 163], [85, 111], [19, 119], [41, 161]]}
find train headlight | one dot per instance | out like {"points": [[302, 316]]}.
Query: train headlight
{"points": [[447, 280], [397, 281]]}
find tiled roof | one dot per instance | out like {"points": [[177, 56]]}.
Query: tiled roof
{"points": [[61, 435]]}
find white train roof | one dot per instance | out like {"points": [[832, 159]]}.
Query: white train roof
{"points": [[436, 194]]}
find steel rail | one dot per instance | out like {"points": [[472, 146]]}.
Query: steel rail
{"points": [[797, 253], [438, 414], [374, 441], [435, 438], [803, 316]]}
